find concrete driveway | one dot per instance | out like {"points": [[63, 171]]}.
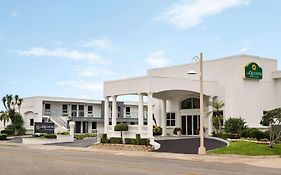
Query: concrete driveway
{"points": [[188, 145]]}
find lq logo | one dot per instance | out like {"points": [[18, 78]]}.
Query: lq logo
{"points": [[253, 71]]}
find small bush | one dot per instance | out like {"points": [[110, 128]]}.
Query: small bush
{"points": [[104, 138], [157, 130], [115, 140], [50, 136], [130, 141], [234, 125], [221, 135], [144, 142], [266, 135], [233, 136], [138, 138], [246, 132], [175, 131], [3, 136], [8, 132], [256, 134], [63, 133]]}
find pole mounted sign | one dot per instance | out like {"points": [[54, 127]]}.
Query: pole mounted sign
{"points": [[253, 71]]}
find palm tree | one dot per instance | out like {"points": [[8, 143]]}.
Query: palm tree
{"points": [[5, 117], [217, 117]]}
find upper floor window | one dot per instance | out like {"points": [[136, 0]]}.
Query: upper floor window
{"points": [[47, 106], [128, 111], [64, 110], [190, 103]]}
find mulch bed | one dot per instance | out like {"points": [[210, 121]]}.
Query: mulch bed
{"points": [[123, 147]]}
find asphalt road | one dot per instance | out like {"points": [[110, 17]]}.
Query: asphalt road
{"points": [[188, 145], [25, 160]]}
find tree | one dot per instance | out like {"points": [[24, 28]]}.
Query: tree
{"points": [[5, 117], [217, 118], [234, 125], [272, 119], [121, 127], [12, 106]]}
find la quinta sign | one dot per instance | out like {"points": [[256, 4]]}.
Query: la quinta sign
{"points": [[253, 71]]}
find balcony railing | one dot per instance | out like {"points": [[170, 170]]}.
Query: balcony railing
{"points": [[90, 114], [72, 113]]}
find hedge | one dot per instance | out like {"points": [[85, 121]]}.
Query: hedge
{"points": [[130, 141], [116, 140], [3, 136], [50, 136]]}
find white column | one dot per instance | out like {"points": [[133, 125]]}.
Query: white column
{"points": [[106, 114], [77, 110], [114, 111], [81, 131], [210, 123], [164, 114], [89, 127], [149, 117], [140, 113]]}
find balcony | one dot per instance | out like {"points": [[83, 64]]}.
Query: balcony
{"points": [[72, 113]]}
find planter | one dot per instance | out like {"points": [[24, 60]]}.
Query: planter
{"points": [[178, 133]]}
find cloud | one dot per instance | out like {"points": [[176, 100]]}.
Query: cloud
{"points": [[245, 49], [61, 53], [94, 72], [99, 43], [14, 13], [188, 14], [157, 59], [82, 85]]}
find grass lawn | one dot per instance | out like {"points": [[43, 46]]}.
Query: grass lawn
{"points": [[248, 148]]}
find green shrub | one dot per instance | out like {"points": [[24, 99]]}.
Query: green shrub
{"points": [[157, 130], [116, 140], [266, 135], [221, 135], [233, 136], [63, 133], [104, 138], [234, 125], [79, 136], [121, 127], [8, 132], [138, 138], [144, 142], [50, 136], [3, 136], [175, 131], [246, 132], [130, 141], [256, 134]]}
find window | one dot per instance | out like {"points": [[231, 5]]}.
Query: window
{"points": [[47, 109], [47, 106], [81, 110], [171, 119], [128, 111], [73, 110], [31, 122], [90, 111], [132, 123], [190, 103], [94, 125], [119, 110], [64, 110]]}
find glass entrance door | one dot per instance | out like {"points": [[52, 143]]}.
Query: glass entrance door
{"points": [[190, 124]]}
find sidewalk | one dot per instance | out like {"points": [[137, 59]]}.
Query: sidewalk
{"points": [[260, 161]]}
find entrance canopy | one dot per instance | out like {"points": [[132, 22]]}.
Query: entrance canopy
{"points": [[156, 84]]}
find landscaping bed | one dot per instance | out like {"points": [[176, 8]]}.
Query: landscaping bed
{"points": [[248, 148], [123, 147]]}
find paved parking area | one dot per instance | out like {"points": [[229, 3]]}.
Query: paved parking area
{"points": [[187, 145], [84, 143]]}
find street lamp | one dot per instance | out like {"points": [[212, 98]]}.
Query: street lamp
{"points": [[201, 149]]}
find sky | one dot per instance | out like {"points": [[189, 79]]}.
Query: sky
{"points": [[68, 48]]}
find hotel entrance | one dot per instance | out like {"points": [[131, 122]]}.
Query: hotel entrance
{"points": [[190, 124]]}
